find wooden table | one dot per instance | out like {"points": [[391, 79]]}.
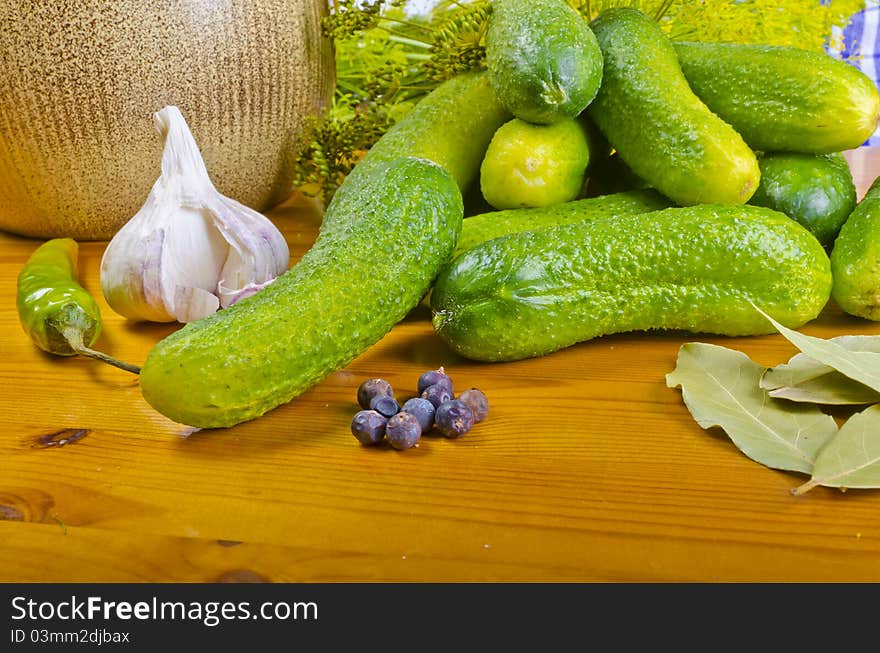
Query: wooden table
{"points": [[588, 469]]}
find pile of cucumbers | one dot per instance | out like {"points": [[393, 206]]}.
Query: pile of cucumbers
{"points": [[744, 142], [697, 128]]}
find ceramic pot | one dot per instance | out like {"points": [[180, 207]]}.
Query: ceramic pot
{"points": [[82, 78]]}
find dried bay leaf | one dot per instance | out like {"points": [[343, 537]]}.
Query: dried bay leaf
{"points": [[861, 366], [832, 389], [805, 379], [852, 458], [721, 387]]}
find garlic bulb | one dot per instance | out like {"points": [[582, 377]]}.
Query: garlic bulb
{"points": [[189, 250]]}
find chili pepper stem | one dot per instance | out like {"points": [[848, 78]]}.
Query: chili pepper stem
{"points": [[74, 338]]}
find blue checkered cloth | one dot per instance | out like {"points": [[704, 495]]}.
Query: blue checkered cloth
{"points": [[859, 43]]}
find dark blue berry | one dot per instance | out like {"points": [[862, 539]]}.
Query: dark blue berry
{"points": [[477, 402], [433, 377], [454, 418], [422, 409], [437, 394], [373, 388], [368, 426], [403, 431], [384, 405]]}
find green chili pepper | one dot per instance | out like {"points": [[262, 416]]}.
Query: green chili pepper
{"points": [[58, 314]]}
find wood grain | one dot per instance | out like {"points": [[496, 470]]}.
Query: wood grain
{"points": [[588, 469]]}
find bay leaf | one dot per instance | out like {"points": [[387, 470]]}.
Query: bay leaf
{"points": [[804, 379], [721, 387], [832, 389], [851, 459], [861, 366]]}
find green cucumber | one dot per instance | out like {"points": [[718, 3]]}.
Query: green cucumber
{"points": [[452, 126], [664, 132], [817, 190], [695, 268], [384, 236], [529, 165], [855, 259], [494, 224], [543, 59], [395, 231], [783, 98]]}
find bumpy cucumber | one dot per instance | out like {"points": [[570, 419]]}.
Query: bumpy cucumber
{"points": [[855, 258], [817, 190], [694, 268], [783, 98], [543, 59], [387, 230], [486, 226], [387, 239], [659, 127], [529, 165], [451, 126]]}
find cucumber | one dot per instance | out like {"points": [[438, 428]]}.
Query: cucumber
{"points": [[451, 126], [384, 236], [494, 224], [529, 165], [817, 190], [664, 132], [693, 268], [387, 241], [855, 259], [783, 98], [543, 59]]}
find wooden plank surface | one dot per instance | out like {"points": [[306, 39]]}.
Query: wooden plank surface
{"points": [[588, 469]]}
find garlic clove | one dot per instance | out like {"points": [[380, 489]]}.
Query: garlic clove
{"points": [[189, 250], [257, 251], [193, 303], [131, 287], [192, 256], [229, 296]]}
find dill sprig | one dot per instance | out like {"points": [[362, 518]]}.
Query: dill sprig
{"points": [[806, 24], [459, 43], [339, 139], [386, 61], [348, 18]]}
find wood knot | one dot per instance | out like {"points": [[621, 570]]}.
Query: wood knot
{"points": [[25, 504], [60, 438], [11, 513]]}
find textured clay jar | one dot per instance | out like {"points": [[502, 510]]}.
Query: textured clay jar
{"points": [[82, 78]]}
